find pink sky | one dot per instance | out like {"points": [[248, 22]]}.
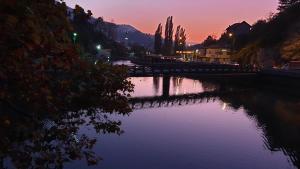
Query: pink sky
{"points": [[200, 17]]}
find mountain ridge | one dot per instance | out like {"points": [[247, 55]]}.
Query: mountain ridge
{"points": [[124, 33]]}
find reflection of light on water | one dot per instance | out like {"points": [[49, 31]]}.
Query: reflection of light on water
{"points": [[177, 86], [177, 90], [178, 82], [185, 86], [224, 106]]}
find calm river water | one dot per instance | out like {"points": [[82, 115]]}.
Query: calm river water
{"points": [[176, 123], [231, 125]]}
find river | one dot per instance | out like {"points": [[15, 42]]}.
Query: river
{"points": [[176, 123], [233, 125]]}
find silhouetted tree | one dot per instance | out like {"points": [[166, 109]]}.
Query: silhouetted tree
{"points": [[82, 27], [278, 35], [168, 36], [91, 33], [43, 78], [177, 37], [158, 40], [138, 50], [180, 39], [283, 4], [210, 40], [89, 14]]}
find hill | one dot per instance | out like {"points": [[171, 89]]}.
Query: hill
{"points": [[275, 41], [122, 33], [134, 36]]}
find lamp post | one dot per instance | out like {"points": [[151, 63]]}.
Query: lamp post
{"points": [[126, 41], [74, 37], [99, 47], [231, 36]]}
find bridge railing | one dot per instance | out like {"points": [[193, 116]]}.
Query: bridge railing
{"points": [[181, 68]]}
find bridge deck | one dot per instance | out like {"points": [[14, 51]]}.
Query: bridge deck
{"points": [[175, 100], [181, 69]]}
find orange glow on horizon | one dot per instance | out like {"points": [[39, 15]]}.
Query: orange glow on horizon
{"points": [[199, 18]]}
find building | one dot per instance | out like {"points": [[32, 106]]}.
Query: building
{"points": [[238, 29], [191, 55], [217, 54], [212, 54]]}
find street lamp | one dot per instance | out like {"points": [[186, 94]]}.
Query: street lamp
{"points": [[98, 47], [74, 37], [231, 35]]}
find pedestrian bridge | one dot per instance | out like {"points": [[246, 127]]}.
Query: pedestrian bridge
{"points": [[175, 100], [180, 69]]}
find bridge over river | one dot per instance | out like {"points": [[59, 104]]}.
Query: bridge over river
{"points": [[182, 69], [175, 100]]}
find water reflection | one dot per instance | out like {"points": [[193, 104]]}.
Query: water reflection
{"points": [[166, 86], [177, 83], [204, 123], [124, 62], [52, 141], [156, 84], [276, 114]]}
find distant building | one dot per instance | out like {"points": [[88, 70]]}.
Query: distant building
{"points": [[218, 54], [238, 29], [191, 55], [212, 54]]}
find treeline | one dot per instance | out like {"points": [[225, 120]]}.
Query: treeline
{"points": [[274, 41], [41, 70], [43, 80], [92, 32], [166, 45]]}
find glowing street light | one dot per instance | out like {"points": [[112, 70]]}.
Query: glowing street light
{"points": [[98, 47], [74, 37], [231, 35], [126, 41], [224, 107]]}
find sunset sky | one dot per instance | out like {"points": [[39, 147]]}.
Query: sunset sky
{"points": [[200, 17]]}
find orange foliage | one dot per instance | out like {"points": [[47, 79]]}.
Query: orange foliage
{"points": [[41, 68]]}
